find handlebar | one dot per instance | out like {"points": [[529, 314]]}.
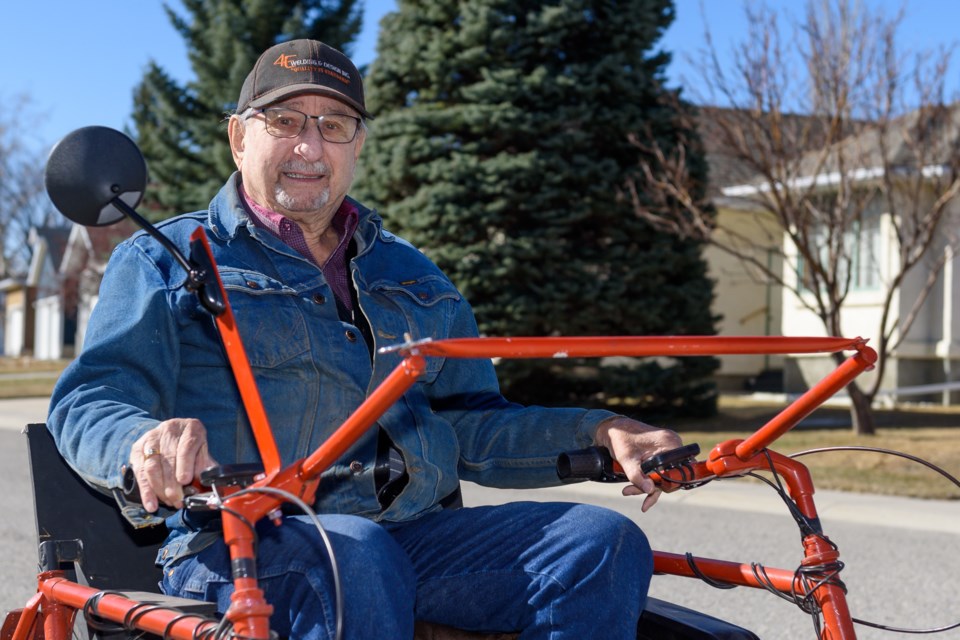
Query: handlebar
{"points": [[596, 463], [229, 475], [592, 463]]}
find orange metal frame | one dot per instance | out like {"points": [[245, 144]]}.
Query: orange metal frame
{"points": [[58, 600]]}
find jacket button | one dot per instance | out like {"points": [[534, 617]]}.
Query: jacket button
{"points": [[351, 336], [356, 466], [318, 299], [252, 284]]}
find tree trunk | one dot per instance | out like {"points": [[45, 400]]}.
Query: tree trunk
{"points": [[860, 411]]}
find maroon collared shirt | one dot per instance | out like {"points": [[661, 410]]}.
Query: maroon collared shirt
{"points": [[335, 270]]}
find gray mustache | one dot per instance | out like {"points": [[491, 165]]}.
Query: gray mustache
{"points": [[296, 166]]}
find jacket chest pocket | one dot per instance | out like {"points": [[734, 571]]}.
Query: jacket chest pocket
{"points": [[268, 317], [426, 306]]}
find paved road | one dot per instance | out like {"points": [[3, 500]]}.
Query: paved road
{"points": [[14, 414], [902, 555]]}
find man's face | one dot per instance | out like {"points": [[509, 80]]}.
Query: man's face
{"points": [[305, 177]]}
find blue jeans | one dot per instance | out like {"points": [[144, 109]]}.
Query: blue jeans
{"points": [[549, 570]]}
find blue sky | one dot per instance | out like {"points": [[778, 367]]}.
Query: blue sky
{"points": [[78, 60]]}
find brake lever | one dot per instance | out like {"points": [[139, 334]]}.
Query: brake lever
{"points": [[672, 459]]}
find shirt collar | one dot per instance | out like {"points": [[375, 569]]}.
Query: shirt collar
{"points": [[344, 222]]}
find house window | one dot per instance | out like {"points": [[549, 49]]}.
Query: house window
{"points": [[863, 242], [860, 255]]}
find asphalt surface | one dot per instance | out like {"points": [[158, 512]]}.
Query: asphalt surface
{"points": [[902, 555], [16, 413]]}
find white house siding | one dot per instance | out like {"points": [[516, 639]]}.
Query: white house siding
{"points": [[930, 354], [13, 332], [48, 338], [749, 305]]}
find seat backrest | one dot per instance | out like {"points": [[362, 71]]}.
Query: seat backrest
{"points": [[81, 530]]}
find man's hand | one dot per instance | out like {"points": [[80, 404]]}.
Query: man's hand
{"points": [[630, 443], [167, 458]]}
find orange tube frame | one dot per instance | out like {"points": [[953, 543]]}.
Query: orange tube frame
{"points": [[59, 599]]}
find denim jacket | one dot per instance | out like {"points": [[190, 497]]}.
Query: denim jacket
{"points": [[152, 353]]}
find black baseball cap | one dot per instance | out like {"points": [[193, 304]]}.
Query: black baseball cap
{"points": [[302, 66]]}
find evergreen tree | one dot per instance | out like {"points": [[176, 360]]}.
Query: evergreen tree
{"points": [[500, 146], [182, 128]]}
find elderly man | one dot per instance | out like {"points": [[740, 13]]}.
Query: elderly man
{"points": [[317, 286]]}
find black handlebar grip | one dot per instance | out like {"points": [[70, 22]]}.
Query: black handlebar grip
{"points": [[130, 489], [592, 463]]}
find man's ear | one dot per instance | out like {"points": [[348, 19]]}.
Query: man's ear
{"points": [[361, 138], [236, 133]]}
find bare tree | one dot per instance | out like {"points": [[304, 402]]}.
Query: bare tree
{"points": [[23, 203], [838, 133]]}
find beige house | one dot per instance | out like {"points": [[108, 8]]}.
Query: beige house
{"points": [[45, 313], [748, 303], [746, 300], [33, 320], [925, 366], [18, 318]]}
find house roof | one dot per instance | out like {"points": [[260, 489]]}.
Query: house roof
{"points": [[46, 242], [721, 129], [921, 141], [725, 166]]}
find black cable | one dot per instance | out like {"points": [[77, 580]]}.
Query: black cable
{"points": [[804, 576], [249, 525], [93, 618], [691, 484], [334, 568], [132, 617], [183, 616], [890, 452], [912, 458], [97, 622], [692, 563], [209, 632], [686, 471], [806, 526]]}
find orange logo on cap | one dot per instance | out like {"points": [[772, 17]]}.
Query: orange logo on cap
{"points": [[292, 63], [284, 61]]}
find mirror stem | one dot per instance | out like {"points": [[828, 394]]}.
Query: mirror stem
{"points": [[144, 224]]}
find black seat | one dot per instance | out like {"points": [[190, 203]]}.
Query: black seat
{"points": [[81, 532]]}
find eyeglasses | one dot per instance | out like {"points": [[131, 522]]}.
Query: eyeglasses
{"points": [[288, 123]]}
